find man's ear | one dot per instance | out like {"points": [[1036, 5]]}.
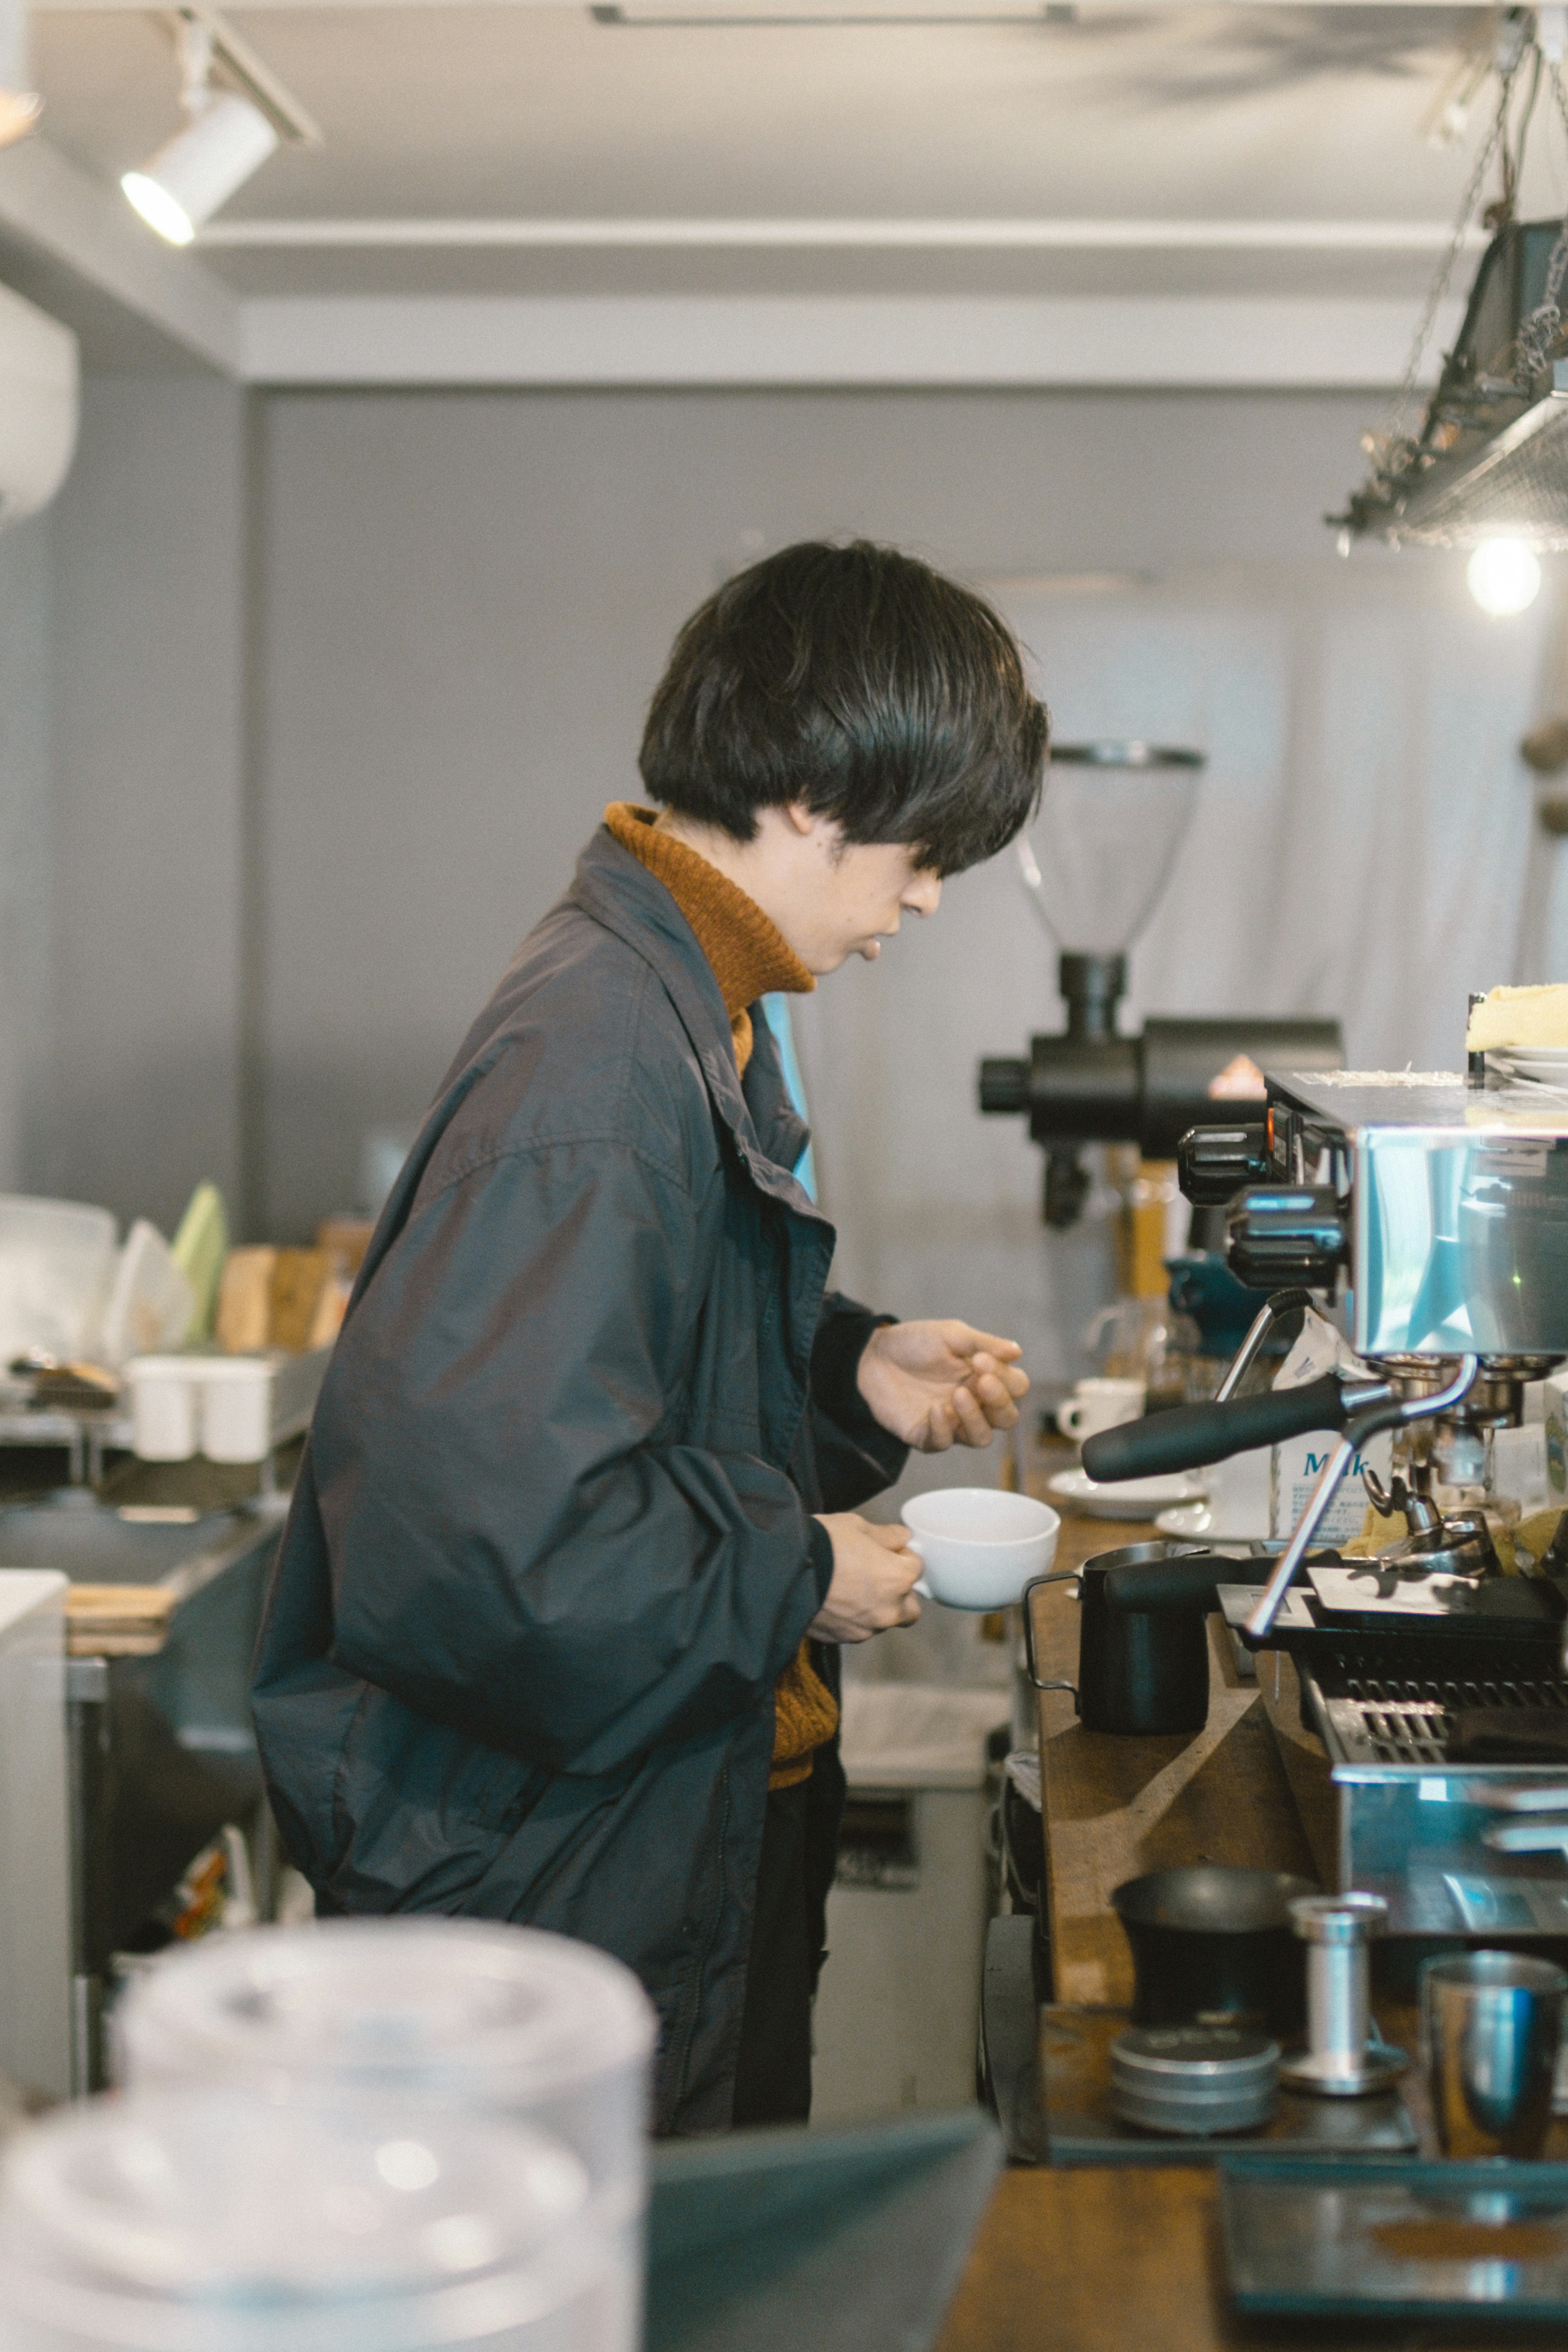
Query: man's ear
{"points": [[800, 816]]}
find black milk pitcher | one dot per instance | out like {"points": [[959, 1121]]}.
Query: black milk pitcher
{"points": [[1143, 1652]]}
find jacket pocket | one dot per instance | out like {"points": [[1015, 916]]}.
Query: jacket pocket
{"points": [[425, 1808]]}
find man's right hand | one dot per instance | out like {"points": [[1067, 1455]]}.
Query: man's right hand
{"points": [[873, 1573]]}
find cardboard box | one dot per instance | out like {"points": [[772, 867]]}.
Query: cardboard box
{"points": [[1556, 1420], [1297, 1467]]}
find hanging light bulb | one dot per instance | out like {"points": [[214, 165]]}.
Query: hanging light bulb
{"points": [[1504, 576], [225, 141], [19, 106]]}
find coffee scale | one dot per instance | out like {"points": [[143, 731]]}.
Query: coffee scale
{"points": [[1436, 1683]]}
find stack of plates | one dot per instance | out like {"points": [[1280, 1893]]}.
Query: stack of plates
{"points": [[1540, 1065]]}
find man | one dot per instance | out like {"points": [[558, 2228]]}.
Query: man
{"points": [[554, 1630]]}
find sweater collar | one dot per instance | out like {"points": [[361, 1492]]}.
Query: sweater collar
{"points": [[618, 891], [748, 953]]}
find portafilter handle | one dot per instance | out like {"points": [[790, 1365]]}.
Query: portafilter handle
{"points": [[1393, 1415], [1189, 1435]]}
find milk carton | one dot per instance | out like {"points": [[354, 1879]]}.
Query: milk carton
{"points": [[1298, 1463], [1520, 1468], [1555, 1417]]}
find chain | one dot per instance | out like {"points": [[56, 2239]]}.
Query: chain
{"points": [[1538, 333], [1393, 429]]}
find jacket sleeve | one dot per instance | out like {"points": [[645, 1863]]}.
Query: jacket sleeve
{"points": [[855, 1456], [517, 1545]]}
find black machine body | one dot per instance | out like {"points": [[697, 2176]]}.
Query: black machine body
{"points": [[1089, 1084]]}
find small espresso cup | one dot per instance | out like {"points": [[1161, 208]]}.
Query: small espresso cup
{"points": [[1492, 2025], [981, 1544], [1098, 1404]]}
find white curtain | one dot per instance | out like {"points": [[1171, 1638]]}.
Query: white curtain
{"points": [[1364, 831]]}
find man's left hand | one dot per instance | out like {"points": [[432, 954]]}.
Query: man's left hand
{"points": [[937, 1384]]}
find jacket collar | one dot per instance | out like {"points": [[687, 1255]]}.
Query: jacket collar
{"points": [[618, 891]]}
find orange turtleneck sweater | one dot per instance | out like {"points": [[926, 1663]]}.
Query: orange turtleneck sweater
{"points": [[750, 956]]}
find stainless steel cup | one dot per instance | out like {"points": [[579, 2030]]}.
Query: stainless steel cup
{"points": [[1490, 2025]]}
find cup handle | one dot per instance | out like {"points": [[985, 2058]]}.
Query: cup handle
{"points": [[1065, 1416], [1055, 1576], [920, 1585]]}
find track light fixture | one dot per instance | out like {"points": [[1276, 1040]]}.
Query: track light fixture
{"points": [[19, 106], [1486, 467], [225, 140]]}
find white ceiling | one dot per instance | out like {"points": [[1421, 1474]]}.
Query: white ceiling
{"points": [[455, 111], [447, 125]]}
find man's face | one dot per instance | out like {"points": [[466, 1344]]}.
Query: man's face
{"points": [[858, 893]]}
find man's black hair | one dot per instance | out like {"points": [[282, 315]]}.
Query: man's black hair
{"points": [[862, 684]]}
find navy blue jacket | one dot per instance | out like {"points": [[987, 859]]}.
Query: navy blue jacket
{"points": [[551, 1543]]}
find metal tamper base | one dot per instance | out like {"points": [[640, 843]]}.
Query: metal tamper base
{"points": [[1342, 2061]]}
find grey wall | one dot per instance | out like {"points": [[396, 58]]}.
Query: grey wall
{"points": [[27, 589], [147, 756], [466, 601]]}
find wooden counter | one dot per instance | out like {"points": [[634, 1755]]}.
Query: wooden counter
{"points": [[1127, 2259], [1115, 1808]]}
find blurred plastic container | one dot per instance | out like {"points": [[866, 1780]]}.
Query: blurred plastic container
{"points": [[163, 1407], [57, 1262], [230, 1408], [452, 2014], [237, 1408], [213, 2222], [150, 1303]]}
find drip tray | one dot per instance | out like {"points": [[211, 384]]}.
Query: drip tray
{"points": [[1397, 1701], [1460, 1850]]}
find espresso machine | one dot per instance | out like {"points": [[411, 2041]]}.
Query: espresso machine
{"points": [[1437, 1686]]}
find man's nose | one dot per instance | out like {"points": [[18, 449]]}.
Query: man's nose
{"points": [[923, 895]]}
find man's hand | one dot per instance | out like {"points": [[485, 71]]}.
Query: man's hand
{"points": [[873, 1571], [933, 1384]]}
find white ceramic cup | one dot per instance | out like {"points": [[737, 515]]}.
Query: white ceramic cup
{"points": [[980, 1545], [1100, 1404]]}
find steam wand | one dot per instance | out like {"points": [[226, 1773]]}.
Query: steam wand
{"points": [[1365, 1424], [1273, 1310]]}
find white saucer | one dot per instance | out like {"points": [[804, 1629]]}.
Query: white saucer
{"points": [[1544, 1062], [1197, 1520], [1124, 1498]]}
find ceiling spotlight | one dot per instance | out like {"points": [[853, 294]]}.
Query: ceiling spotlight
{"points": [[19, 112], [19, 106], [1504, 576], [225, 141]]}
